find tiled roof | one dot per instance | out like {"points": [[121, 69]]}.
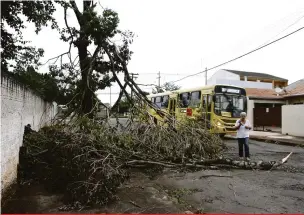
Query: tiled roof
{"points": [[295, 89], [262, 93], [256, 74]]}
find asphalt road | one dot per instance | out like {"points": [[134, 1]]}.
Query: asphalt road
{"points": [[246, 191], [241, 191]]}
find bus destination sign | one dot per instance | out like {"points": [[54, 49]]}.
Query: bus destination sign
{"points": [[230, 90]]}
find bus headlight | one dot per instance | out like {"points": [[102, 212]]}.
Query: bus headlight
{"points": [[219, 124]]}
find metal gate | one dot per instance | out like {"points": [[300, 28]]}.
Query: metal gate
{"points": [[264, 116]]}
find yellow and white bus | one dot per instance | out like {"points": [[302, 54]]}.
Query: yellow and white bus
{"points": [[218, 105]]}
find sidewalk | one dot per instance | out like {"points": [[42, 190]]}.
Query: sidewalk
{"points": [[274, 138]]}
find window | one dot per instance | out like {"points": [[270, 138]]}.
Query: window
{"points": [[229, 103], [165, 102], [184, 100], [195, 99], [153, 100], [158, 101]]}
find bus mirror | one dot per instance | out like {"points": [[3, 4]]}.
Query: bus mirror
{"points": [[245, 104], [214, 98]]}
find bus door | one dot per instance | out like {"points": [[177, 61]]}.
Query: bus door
{"points": [[207, 101]]}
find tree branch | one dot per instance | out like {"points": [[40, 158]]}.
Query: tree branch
{"points": [[55, 58], [70, 32], [120, 96], [114, 74], [77, 12]]}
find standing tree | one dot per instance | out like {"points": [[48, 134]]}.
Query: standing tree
{"points": [[79, 78], [92, 71]]}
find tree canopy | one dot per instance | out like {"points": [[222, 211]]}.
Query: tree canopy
{"points": [[77, 79], [81, 77], [14, 14], [168, 86]]}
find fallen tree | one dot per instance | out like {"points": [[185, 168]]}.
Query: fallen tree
{"points": [[88, 165]]}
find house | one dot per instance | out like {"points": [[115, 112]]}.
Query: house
{"points": [[295, 92], [103, 111], [247, 79], [274, 109], [264, 108], [293, 111]]}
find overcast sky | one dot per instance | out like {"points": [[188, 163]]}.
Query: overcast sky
{"points": [[179, 37]]}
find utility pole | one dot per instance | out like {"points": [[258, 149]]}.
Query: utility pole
{"points": [[204, 71], [133, 75], [158, 81]]}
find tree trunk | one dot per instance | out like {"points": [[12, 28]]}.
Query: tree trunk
{"points": [[86, 95]]}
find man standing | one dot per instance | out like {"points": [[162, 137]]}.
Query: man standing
{"points": [[243, 126]]}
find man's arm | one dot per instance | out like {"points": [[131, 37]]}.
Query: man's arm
{"points": [[248, 126], [237, 125]]}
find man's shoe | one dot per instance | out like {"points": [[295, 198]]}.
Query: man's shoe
{"points": [[247, 159]]}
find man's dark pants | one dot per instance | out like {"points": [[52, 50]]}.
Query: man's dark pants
{"points": [[243, 143]]}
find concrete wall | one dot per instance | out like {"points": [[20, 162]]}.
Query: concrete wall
{"points": [[250, 106], [19, 107], [293, 120]]}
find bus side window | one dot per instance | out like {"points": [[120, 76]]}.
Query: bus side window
{"points": [[209, 103], [153, 100], [195, 98], [165, 101], [184, 100], [158, 101]]}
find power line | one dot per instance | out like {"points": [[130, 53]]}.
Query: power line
{"points": [[240, 56], [175, 74], [299, 19], [106, 93]]}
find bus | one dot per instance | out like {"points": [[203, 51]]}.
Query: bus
{"points": [[160, 100], [219, 106]]}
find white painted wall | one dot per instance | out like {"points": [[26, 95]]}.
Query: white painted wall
{"points": [[222, 74], [293, 120], [250, 106], [225, 77], [19, 107], [244, 84]]}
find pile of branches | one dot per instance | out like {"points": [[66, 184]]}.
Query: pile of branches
{"points": [[88, 165], [88, 162]]}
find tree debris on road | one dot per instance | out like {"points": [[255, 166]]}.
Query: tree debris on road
{"points": [[88, 165]]}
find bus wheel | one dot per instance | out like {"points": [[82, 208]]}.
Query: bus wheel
{"points": [[222, 135]]}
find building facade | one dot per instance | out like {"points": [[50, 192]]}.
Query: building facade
{"points": [[247, 79]]}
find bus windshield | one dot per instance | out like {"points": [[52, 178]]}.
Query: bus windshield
{"points": [[234, 104]]}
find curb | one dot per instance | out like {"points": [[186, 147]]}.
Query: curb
{"points": [[273, 141], [278, 141]]}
